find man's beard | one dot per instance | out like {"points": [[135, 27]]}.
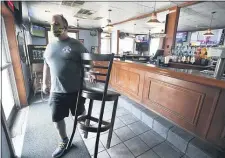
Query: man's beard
{"points": [[57, 33]]}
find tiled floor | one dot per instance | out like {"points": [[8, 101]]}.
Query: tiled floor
{"points": [[131, 138]]}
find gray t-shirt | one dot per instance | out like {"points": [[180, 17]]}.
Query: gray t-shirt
{"points": [[64, 60]]}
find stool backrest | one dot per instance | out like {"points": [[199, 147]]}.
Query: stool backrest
{"points": [[99, 65]]}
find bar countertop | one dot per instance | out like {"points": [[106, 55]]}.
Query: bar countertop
{"points": [[186, 74]]}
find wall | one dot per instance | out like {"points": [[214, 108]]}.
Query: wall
{"points": [[114, 42], [89, 40]]}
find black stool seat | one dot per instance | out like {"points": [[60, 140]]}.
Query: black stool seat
{"points": [[97, 94]]}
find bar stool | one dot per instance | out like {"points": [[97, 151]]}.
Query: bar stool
{"points": [[102, 73]]}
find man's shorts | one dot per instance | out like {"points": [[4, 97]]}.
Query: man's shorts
{"points": [[62, 103]]}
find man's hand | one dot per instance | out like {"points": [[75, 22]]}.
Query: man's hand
{"points": [[92, 78], [45, 89]]}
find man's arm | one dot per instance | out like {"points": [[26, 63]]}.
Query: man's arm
{"points": [[45, 73]]}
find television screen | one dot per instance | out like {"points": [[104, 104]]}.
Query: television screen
{"points": [[141, 38], [181, 36], [37, 31], [142, 46]]}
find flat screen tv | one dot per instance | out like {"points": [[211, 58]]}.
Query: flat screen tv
{"points": [[37, 31], [142, 46], [181, 36]]}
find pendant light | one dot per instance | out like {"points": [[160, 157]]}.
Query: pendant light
{"points": [[209, 31], [109, 26], [153, 18]]}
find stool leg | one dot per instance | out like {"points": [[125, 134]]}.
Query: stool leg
{"points": [[99, 126], [75, 123], [87, 122], [112, 123]]}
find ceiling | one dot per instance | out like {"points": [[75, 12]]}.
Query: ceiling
{"points": [[41, 12], [194, 17], [198, 16]]}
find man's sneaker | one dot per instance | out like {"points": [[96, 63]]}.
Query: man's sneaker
{"points": [[60, 149]]}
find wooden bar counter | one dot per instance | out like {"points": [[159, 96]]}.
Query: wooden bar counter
{"points": [[193, 101]]}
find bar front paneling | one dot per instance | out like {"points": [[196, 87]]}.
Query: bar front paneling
{"points": [[185, 99]]}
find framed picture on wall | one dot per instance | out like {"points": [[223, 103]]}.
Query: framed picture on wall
{"points": [[81, 40]]}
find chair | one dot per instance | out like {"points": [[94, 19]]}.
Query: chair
{"points": [[102, 72]]}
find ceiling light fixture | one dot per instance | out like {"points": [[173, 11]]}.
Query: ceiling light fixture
{"points": [[109, 26], [153, 18], [209, 31]]}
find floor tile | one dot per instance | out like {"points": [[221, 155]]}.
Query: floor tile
{"points": [[162, 126], [102, 154], [179, 138], [90, 144], [198, 149], [128, 119], [114, 141], [121, 112], [138, 127], [118, 123], [124, 133], [136, 112], [149, 154], [120, 151], [122, 103], [185, 156], [148, 117], [90, 135], [106, 115], [165, 150], [151, 138], [136, 146]]}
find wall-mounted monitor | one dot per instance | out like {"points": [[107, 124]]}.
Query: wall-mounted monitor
{"points": [[142, 46], [181, 36], [141, 38], [37, 31]]}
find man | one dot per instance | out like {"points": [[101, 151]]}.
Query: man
{"points": [[63, 59]]}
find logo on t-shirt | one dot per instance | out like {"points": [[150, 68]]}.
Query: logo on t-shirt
{"points": [[66, 49]]}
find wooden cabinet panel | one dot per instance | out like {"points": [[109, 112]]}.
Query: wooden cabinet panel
{"points": [[187, 104], [216, 133], [122, 77], [128, 81], [179, 101]]}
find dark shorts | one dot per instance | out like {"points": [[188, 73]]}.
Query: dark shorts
{"points": [[62, 103]]}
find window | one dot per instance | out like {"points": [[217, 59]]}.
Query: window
{"points": [[7, 95], [126, 44], [51, 37], [154, 45], [105, 43]]}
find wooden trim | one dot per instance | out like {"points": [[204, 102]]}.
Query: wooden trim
{"points": [[171, 29], [189, 3], [185, 4], [14, 53], [118, 42]]}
